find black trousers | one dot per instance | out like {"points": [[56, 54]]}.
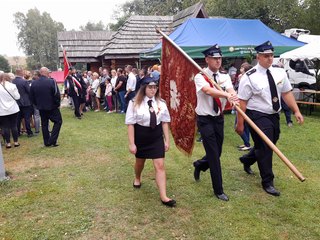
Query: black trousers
{"points": [[261, 153], [76, 102], [9, 123], [26, 113], [211, 130], [55, 117]]}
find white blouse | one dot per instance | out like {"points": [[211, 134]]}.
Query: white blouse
{"points": [[141, 115], [8, 105]]}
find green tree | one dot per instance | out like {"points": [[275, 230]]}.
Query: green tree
{"points": [[4, 64], [310, 16], [37, 37], [93, 26]]}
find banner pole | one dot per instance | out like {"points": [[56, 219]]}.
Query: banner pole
{"points": [[247, 119]]}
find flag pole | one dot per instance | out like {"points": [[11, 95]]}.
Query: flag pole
{"points": [[247, 119]]}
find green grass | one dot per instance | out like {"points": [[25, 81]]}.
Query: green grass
{"points": [[83, 188]]}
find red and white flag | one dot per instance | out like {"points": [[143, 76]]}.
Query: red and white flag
{"points": [[177, 88], [66, 64]]}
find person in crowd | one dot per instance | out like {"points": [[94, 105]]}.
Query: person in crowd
{"points": [[75, 91], [246, 132], [148, 120], [108, 96], [120, 89], [9, 95], [95, 92], [45, 94], [24, 102], [155, 72], [259, 92], [82, 92], [143, 72], [36, 113], [131, 85], [89, 77], [232, 71], [103, 78], [113, 82], [210, 117]]}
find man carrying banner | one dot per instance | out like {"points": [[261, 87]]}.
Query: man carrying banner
{"points": [[75, 91], [210, 117], [260, 91]]}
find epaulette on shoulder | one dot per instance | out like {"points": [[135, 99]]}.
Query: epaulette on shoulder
{"points": [[223, 71], [251, 71]]}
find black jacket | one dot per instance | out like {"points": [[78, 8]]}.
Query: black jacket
{"points": [[45, 94], [24, 91]]}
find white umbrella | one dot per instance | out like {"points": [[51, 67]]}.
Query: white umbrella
{"points": [[309, 51]]}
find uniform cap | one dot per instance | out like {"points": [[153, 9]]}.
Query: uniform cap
{"points": [[213, 51], [149, 81], [265, 47]]}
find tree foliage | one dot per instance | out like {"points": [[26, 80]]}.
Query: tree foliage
{"points": [[37, 37], [4, 64], [90, 26], [279, 15]]}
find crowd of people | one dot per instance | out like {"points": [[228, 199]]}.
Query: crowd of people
{"points": [[104, 90]]}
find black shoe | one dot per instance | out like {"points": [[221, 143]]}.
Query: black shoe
{"points": [[137, 186], [196, 173], [222, 197], [30, 135], [170, 203], [272, 191], [55, 145], [16, 144], [247, 169]]}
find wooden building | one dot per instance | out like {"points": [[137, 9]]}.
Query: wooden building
{"points": [[113, 50]]}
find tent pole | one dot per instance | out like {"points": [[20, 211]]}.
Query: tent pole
{"points": [[249, 121]]}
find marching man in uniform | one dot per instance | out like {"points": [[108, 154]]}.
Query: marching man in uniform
{"points": [[259, 92], [210, 117]]}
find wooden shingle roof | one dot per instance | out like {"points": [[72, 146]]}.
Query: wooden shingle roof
{"points": [[83, 46], [137, 34]]}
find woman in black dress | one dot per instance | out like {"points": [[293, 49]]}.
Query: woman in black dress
{"points": [[148, 120]]}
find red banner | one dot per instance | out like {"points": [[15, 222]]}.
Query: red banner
{"points": [[177, 88], [66, 64]]}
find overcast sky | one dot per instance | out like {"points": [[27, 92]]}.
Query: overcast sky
{"points": [[72, 13]]}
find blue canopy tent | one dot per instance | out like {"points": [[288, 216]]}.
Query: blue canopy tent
{"points": [[236, 37]]}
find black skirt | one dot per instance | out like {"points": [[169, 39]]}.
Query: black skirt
{"points": [[149, 142]]}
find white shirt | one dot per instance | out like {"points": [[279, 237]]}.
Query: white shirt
{"points": [[131, 82], [8, 105], [113, 81], [141, 115], [232, 71], [204, 101], [254, 88]]}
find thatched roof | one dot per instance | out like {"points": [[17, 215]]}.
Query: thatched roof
{"points": [[138, 32], [83, 46]]}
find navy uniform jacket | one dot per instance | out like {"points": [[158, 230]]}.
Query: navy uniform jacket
{"points": [[24, 91], [45, 94]]}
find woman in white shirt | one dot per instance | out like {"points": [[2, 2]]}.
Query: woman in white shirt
{"points": [[9, 109], [148, 120], [95, 92]]}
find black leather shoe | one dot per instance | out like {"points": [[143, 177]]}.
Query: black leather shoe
{"points": [[222, 197], [247, 169], [170, 203], [196, 173], [137, 186], [272, 191], [55, 145]]}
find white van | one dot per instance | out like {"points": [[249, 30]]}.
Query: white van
{"points": [[300, 73]]}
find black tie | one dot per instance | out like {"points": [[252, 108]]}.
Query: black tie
{"points": [[274, 92], [153, 118], [215, 104]]}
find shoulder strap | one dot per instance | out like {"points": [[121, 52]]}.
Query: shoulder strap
{"points": [[8, 92]]}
